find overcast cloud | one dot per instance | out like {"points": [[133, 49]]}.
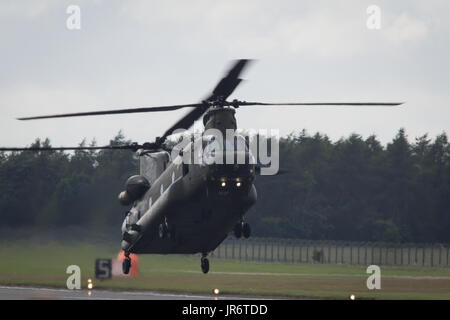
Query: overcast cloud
{"points": [[144, 53]]}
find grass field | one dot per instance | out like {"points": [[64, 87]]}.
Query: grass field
{"points": [[45, 265]]}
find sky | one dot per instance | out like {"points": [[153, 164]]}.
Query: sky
{"points": [[147, 53]]}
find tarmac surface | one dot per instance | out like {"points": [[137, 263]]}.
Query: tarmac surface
{"points": [[34, 293]]}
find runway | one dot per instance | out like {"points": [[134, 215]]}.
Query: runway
{"points": [[34, 293]]}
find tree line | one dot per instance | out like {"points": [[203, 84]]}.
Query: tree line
{"points": [[353, 189]]}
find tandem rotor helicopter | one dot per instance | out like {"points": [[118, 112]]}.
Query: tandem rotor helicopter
{"points": [[187, 208]]}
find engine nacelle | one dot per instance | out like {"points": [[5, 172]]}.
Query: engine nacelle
{"points": [[135, 188]]}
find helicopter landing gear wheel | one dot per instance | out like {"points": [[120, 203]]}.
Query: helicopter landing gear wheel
{"points": [[205, 264], [242, 229], [126, 265]]}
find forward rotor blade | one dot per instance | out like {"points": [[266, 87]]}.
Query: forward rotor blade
{"points": [[186, 121], [226, 86], [245, 103], [119, 111], [222, 91]]}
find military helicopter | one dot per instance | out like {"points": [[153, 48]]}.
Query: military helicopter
{"points": [[177, 207]]}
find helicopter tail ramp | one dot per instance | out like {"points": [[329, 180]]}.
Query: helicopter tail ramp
{"points": [[153, 164]]}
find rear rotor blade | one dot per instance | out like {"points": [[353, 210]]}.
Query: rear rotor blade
{"points": [[119, 111], [57, 148], [133, 147]]}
